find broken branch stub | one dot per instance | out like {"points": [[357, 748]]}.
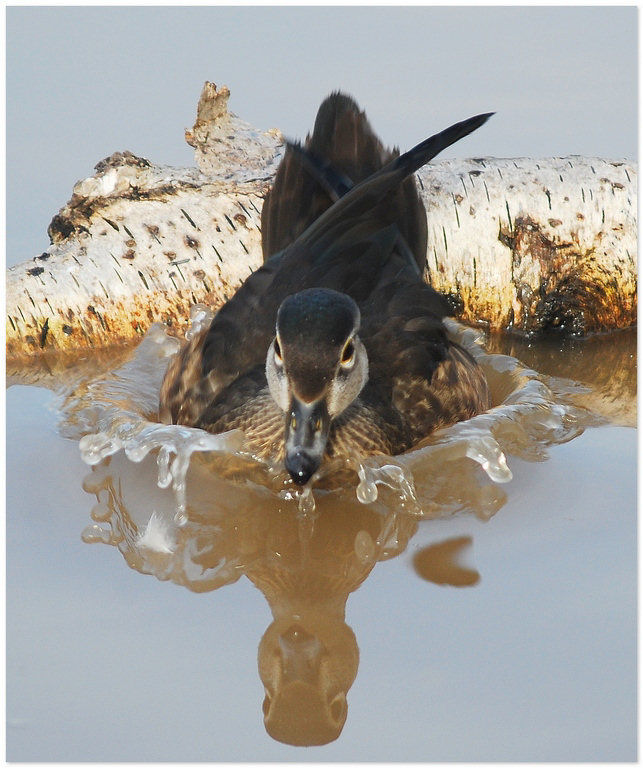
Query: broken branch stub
{"points": [[517, 244]]}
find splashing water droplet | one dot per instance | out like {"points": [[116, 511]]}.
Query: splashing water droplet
{"points": [[394, 473], [306, 501], [94, 534], [136, 453], [166, 345], [178, 469], [101, 512], [200, 317], [163, 463], [94, 448], [364, 547], [367, 492], [392, 476], [486, 451]]}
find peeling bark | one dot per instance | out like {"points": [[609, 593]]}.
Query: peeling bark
{"points": [[521, 244]]}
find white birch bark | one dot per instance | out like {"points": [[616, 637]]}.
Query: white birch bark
{"points": [[533, 244], [519, 243]]}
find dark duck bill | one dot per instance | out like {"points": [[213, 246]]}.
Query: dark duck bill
{"points": [[307, 428]]}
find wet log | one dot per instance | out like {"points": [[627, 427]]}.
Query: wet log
{"points": [[525, 245]]}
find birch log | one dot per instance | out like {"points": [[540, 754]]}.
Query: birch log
{"points": [[517, 244]]}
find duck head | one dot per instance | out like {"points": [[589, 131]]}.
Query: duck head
{"points": [[316, 366]]}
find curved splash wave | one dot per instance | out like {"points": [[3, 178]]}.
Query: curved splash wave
{"points": [[456, 468]]}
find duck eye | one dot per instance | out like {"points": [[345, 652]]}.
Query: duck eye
{"points": [[318, 424], [348, 353], [277, 351]]}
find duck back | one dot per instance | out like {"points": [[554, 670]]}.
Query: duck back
{"points": [[342, 151]]}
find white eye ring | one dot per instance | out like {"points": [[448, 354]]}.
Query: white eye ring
{"points": [[348, 354], [277, 350]]}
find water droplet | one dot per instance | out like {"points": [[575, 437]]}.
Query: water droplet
{"points": [[394, 473], [136, 453], [306, 501], [200, 317], [364, 547], [94, 534], [94, 448], [163, 463], [366, 492], [486, 451], [101, 512]]}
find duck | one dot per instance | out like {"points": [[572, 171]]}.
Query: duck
{"points": [[335, 347]]}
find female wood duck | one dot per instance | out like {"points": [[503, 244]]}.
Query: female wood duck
{"points": [[335, 346]]}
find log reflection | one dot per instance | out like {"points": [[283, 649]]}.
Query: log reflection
{"points": [[606, 363]]}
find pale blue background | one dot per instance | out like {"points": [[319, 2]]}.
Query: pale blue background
{"points": [[539, 661], [85, 82]]}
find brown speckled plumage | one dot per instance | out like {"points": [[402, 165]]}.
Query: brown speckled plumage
{"points": [[343, 214]]}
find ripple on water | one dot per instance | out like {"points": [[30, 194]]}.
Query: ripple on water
{"points": [[459, 467]]}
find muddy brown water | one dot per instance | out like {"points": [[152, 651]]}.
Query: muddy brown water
{"points": [[171, 602]]}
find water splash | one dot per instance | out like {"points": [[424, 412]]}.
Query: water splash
{"points": [[117, 411], [393, 476], [200, 318], [157, 536], [95, 534]]}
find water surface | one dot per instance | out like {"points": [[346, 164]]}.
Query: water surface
{"points": [[472, 610]]}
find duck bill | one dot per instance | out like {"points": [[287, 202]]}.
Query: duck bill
{"points": [[307, 430]]}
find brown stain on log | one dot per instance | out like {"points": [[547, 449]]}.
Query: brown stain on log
{"points": [[576, 294]]}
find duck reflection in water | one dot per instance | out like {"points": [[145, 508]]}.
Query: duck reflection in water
{"points": [[305, 568]]}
